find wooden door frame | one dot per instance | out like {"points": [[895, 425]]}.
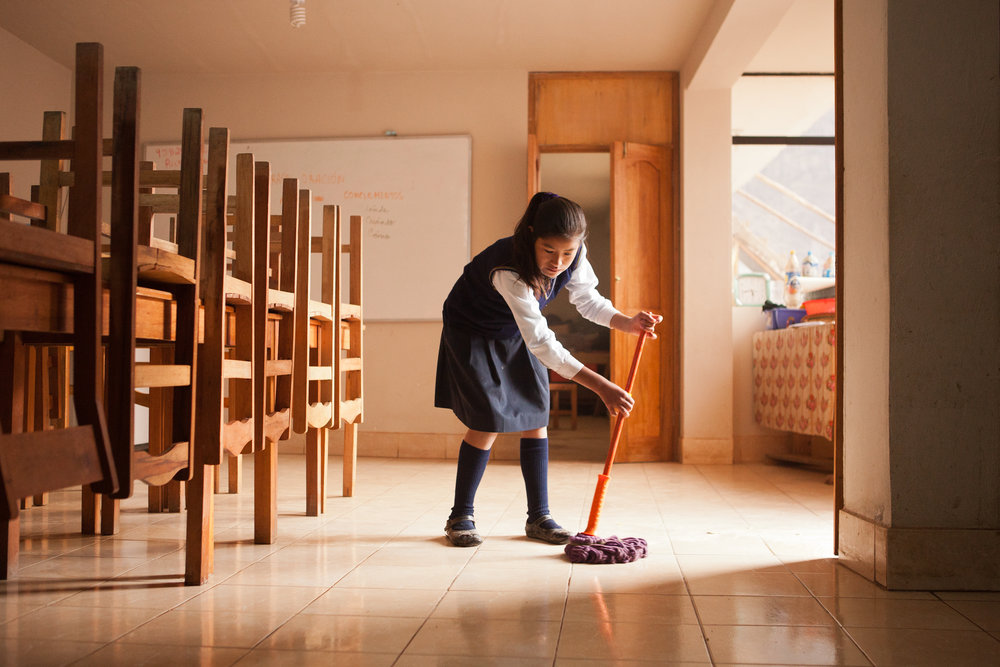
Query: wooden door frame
{"points": [[599, 139]]}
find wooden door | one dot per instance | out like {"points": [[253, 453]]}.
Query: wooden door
{"points": [[642, 242], [534, 166]]}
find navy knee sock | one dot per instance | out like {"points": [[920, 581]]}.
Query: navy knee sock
{"points": [[471, 466], [535, 470]]}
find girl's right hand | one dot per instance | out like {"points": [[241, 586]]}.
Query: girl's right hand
{"points": [[617, 399]]}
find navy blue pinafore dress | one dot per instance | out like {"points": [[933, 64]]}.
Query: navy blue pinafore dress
{"points": [[485, 373]]}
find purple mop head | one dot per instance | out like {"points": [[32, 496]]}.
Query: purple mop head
{"points": [[584, 548]]}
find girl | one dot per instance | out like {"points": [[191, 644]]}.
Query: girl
{"points": [[495, 346]]}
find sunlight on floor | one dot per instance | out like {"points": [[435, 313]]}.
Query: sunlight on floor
{"points": [[740, 571]]}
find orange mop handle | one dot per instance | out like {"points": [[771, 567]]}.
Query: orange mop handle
{"points": [[603, 479]]}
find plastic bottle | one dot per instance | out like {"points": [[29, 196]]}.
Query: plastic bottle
{"points": [[810, 267], [792, 267], [793, 294], [829, 267]]}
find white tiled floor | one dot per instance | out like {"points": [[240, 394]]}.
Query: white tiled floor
{"points": [[740, 571]]}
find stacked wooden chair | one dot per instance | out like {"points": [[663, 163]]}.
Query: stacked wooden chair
{"points": [[164, 275], [228, 379], [332, 383], [348, 361], [53, 288], [316, 379], [330, 379], [230, 329], [274, 322], [249, 254]]}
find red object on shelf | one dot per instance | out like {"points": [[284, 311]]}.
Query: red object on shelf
{"points": [[820, 306]]}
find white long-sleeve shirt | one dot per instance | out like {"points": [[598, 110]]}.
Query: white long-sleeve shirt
{"points": [[538, 337]]}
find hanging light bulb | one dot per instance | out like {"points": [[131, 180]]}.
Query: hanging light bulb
{"points": [[297, 13]]}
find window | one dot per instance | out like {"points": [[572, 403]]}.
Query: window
{"points": [[783, 172]]}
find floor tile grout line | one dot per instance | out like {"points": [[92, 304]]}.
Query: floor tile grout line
{"points": [[840, 626], [221, 581], [962, 614], [562, 616]]}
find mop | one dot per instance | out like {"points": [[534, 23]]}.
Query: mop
{"points": [[585, 547]]}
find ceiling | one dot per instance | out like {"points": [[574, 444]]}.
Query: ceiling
{"points": [[255, 36], [232, 37]]}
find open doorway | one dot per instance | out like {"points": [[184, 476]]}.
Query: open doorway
{"points": [[627, 121], [586, 179]]}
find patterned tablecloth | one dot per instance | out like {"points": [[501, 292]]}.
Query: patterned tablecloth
{"points": [[794, 378]]}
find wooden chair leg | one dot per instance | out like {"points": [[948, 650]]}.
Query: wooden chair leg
{"points": [[235, 469], [110, 515], [90, 511], [324, 458], [161, 406], [572, 407], [42, 404], [10, 543], [12, 358], [316, 464], [175, 494], [350, 458], [200, 529], [156, 499], [265, 494], [31, 395]]}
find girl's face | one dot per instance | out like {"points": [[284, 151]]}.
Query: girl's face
{"points": [[554, 254]]}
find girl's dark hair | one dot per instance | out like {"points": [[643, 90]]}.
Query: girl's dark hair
{"points": [[547, 215]]}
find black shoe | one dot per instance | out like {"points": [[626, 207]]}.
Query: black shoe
{"points": [[463, 538], [557, 535]]}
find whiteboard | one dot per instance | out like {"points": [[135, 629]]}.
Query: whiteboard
{"points": [[412, 192]]}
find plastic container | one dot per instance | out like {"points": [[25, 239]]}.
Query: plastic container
{"points": [[779, 318], [820, 307]]}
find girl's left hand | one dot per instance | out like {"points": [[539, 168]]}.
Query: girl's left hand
{"points": [[644, 321]]}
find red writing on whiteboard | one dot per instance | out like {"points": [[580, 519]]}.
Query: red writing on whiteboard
{"points": [[311, 179], [373, 194], [323, 179]]}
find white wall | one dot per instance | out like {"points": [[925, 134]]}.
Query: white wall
{"points": [[732, 36], [706, 333], [491, 106]]}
